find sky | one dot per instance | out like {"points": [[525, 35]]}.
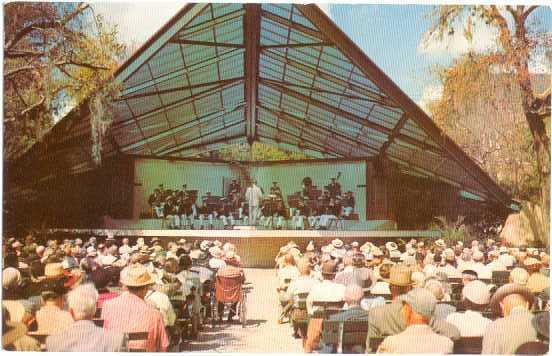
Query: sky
{"points": [[391, 35]]}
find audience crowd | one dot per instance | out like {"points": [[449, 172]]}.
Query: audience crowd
{"points": [[424, 296], [108, 295]]}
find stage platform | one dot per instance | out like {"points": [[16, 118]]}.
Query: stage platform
{"points": [[157, 224], [257, 248]]}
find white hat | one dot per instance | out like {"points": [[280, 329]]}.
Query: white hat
{"points": [[337, 253], [17, 244], [216, 252], [391, 246], [503, 249], [204, 245], [78, 241], [519, 276], [440, 243], [367, 247], [40, 250], [476, 292], [459, 243], [354, 244], [411, 251], [182, 241], [310, 246], [217, 243], [448, 253], [337, 243], [140, 241], [108, 260]]}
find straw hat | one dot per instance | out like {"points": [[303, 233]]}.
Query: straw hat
{"points": [[53, 270], [366, 247], [508, 289], [182, 241], [531, 261], [440, 243], [400, 275], [136, 275]]}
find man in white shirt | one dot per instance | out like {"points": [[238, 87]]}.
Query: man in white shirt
{"points": [[254, 195], [475, 298], [125, 248], [505, 258], [495, 264], [327, 290]]}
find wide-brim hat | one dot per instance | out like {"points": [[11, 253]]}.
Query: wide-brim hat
{"points": [[391, 246], [531, 261], [182, 241], [136, 275], [507, 290], [327, 249], [400, 275], [376, 252], [337, 243], [204, 245], [53, 270]]}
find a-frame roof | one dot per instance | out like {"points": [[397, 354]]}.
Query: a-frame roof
{"points": [[280, 74]]}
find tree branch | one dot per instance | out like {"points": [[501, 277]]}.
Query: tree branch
{"points": [[527, 12], [22, 53], [44, 25]]}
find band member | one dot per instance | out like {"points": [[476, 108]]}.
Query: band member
{"points": [[306, 188], [254, 195], [326, 219], [275, 190], [334, 188], [157, 203], [234, 189], [171, 211], [208, 210], [348, 203]]}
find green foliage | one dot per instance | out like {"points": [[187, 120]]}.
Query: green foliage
{"points": [[451, 231], [257, 152], [55, 56]]}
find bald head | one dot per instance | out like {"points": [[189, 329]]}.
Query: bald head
{"points": [[512, 301], [353, 294]]}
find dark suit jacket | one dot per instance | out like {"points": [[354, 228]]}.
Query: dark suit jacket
{"points": [[388, 320]]}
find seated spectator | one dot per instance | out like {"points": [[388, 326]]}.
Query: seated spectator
{"points": [[518, 276], [161, 302], [505, 258], [52, 318], [14, 335], [475, 298], [327, 290], [505, 335], [442, 310], [468, 275], [537, 281], [83, 335], [231, 279], [101, 279], [418, 337], [216, 261], [130, 313], [288, 272], [495, 264], [483, 272], [381, 286], [388, 319], [352, 311], [302, 284], [13, 298]]}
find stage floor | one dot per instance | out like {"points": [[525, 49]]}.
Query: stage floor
{"points": [[157, 224], [257, 248]]}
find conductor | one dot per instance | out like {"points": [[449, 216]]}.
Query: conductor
{"points": [[254, 196]]}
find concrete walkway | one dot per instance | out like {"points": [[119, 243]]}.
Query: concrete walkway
{"points": [[262, 334]]}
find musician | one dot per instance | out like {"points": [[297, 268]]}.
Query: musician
{"points": [[207, 209], [235, 188], [334, 188], [275, 190], [157, 202], [348, 203], [254, 195], [171, 211], [306, 188]]}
